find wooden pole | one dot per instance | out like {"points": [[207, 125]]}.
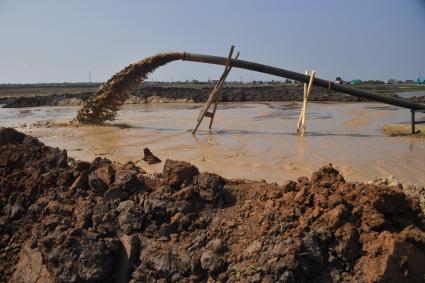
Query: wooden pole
{"points": [[303, 105], [413, 122], [301, 126], [213, 98]]}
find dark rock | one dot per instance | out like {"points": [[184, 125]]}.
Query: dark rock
{"points": [[149, 157]]}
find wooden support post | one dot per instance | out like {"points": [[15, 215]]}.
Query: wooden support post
{"points": [[307, 92], [213, 97], [302, 107], [215, 109], [413, 121]]}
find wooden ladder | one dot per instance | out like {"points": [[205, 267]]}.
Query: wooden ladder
{"points": [[213, 97]]}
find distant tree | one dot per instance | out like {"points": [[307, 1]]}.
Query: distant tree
{"points": [[338, 79]]}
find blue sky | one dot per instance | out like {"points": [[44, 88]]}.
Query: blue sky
{"points": [[57, 41]]}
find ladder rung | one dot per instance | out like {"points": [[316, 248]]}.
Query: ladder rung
{"points": [[209, 114]]}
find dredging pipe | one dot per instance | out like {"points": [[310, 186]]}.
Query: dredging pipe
{"points": [[401, 102]]}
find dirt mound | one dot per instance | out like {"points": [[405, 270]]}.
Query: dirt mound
{"points": [[166, 94], [66, 99], [70, 221]]}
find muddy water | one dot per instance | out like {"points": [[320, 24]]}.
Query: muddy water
{"points": [[248, 140], [412, 93]]}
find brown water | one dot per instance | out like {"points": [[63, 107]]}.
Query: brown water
{"points": [[248, 140]]}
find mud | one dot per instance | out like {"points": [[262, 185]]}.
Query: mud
{"points": [[71, 221], [398, 130]]}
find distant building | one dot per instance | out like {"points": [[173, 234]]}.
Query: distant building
{"points": [[409, 82], [338, 80], [356, 82], [391, 82], [421, 80]]}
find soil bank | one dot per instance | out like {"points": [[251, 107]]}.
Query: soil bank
{"points": [[158, 94], [63, 220]]}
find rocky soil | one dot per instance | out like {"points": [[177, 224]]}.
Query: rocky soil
{"points": [[63, 220]]}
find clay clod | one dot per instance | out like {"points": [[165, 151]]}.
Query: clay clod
{"points": [[149, 157]]}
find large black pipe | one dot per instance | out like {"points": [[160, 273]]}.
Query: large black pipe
{"points": [[304, 78]]}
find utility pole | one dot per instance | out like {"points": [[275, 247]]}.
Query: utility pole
{"points": [[89, 76]]}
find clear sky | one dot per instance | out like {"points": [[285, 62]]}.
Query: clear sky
{"points": [[57, 41]]}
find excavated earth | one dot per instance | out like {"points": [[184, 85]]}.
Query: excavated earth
{"points": [[146, 94], [63, 220], [149, 94]]}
